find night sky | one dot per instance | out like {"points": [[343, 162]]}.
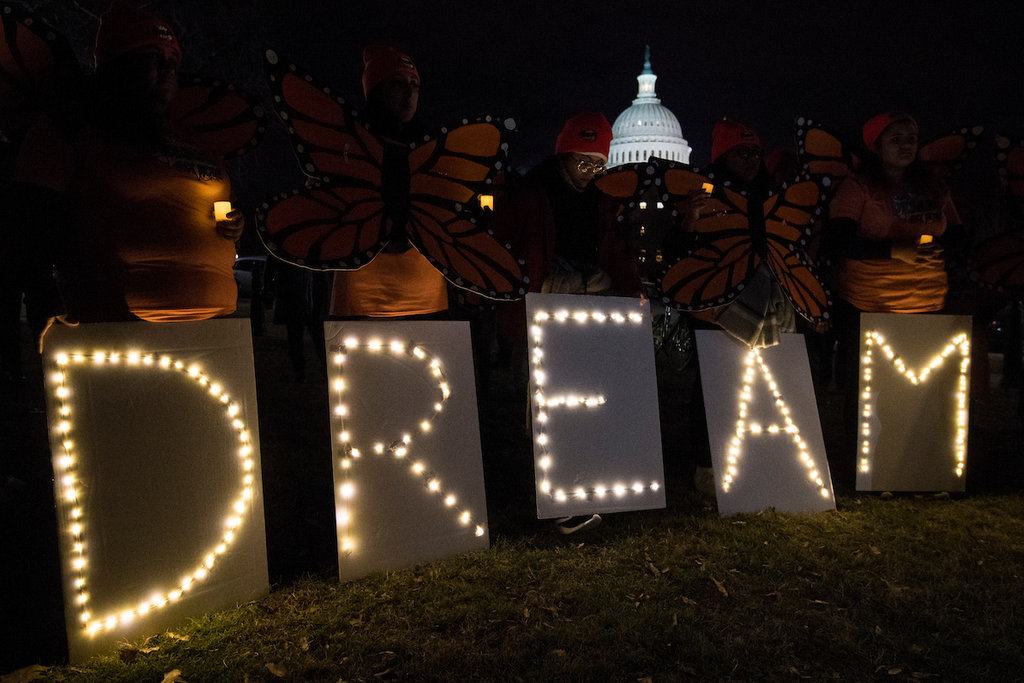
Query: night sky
{"points": [[949, 63]]}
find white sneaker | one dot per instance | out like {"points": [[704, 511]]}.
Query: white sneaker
{"points": [[570, 525]]}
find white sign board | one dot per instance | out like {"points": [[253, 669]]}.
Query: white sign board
{"points": [[408, 470], [155, 444], [766, 442], [914, 402], [594, 402]]}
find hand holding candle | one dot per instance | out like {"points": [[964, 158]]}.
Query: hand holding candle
{"points": [[220, 210], [230, 221]]}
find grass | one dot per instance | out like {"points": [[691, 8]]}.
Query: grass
{"points": [[905, 589]]}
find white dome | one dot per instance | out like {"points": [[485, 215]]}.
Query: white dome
{"points": [[647, 128]]}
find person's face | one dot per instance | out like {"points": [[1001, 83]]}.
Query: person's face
{"points": [[582, 168], [897, 145], [400, 95], [743, 162], [155, 75]]}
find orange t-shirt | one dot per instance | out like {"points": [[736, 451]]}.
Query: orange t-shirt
{"points": [[881, 213], [390, 286], [146, 243]]}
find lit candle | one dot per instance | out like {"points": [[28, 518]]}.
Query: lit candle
{"points": [[220, 210]]}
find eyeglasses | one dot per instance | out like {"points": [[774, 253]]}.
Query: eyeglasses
{"points": [[588, 166], [747, 153]]}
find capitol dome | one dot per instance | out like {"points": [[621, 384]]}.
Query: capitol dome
{"points": [[647, 128]]}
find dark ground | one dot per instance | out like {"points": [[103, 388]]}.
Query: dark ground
{"points": [[298, 489]]}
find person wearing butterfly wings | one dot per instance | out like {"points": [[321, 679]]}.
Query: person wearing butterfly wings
{"points": [[563, 228], [122, 209], [399, 281], [891, 228], [761, 311]]}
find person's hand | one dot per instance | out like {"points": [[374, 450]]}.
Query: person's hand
{"points": [[918, 255], [690, 207], [232, 226]]}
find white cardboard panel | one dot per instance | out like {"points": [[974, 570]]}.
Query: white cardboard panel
{"points": [[420, 498], [605, 457], [758, 467], [913, 437], [150, 465]]}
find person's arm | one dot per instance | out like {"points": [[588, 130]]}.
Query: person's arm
{"points": [[841, 241]]}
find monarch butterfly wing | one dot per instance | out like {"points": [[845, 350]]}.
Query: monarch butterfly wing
{"points": [[998, 262], [37, 65], [947, 153], [326, 136], [789, 218], [216, 116], [822, 153], [1010, 159], [720, 262], [623, 183], [465, 253], [324, 227], [447, 173]]}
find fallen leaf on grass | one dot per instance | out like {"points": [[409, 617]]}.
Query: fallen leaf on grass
{"points": [[175, 636], [276, 669], [688, 601], [654, 570], [875, 551], [173, 676], [720, 587]]}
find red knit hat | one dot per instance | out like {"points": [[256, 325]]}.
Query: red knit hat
{"points": [[587, 133], [380, 62], [727, 134], [876, 125], [125, 29]]}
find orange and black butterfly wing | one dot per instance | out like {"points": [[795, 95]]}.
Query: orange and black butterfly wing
{"points": [[721, 259], [623, 183], [789, 219], [324, 227], [339, 223], [326, 135], [37, 67], [823, 154], [447, 174], [998, 262], [216, 116], [947, 153]]}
